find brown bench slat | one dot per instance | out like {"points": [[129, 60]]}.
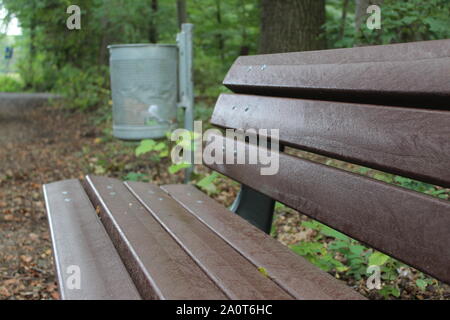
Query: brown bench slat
{"points": [[290, 271], [79, 239], [234, 274], [160, 268], [410, 51], [411, 142], [410, 226], [418, 78]]}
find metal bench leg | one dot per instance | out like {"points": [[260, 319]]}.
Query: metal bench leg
{"points": [[254, 207]]}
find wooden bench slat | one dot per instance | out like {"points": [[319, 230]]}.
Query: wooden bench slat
{"points": [[80, 240], [410, 51], [410, 142], [293, 273], [410, 226], [233, 273], [414, 74], [160, 268]]}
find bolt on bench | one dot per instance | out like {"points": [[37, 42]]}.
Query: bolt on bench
{"points": [[384, 107]]}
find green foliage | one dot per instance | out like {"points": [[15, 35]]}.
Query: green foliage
{"points": [[412, 185], [10, 84], [316, 253], [264, 272], [401, 21], [207, 183], [136, 176], [72, 62], [223, 31], [334, 252], [378, 259], [178, 167], [422, 283], [158, 150], [279, 206], [84, 88], [407, 21], [387, 291]]}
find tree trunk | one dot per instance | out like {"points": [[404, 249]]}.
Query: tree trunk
{"points": [[343, 20], [182, 12], [245, 48], [153, 32], [219, 36], [292, 25], [29, 80]]}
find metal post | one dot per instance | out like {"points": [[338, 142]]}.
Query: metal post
{"points": [[254, 207], [186, 83]]}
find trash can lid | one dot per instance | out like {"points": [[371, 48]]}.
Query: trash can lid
{"points": [[130, 45]]}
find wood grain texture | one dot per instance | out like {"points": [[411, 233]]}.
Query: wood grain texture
{"points": [[410, 226], [406, 141], [231, 271], [414, 74], [296, 275], [79, 239], [160, 268]]}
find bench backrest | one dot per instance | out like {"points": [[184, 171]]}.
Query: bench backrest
{"points": [[383, 107]]}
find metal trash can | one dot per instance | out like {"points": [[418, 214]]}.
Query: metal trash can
{"points": [[144, 83]]}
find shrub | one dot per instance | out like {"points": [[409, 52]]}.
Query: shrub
{"points": [[10, 84], [83, 89]]}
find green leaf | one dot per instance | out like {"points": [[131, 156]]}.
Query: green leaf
{"points": [[383, 177], [364, 170], [177, 167], [207, 183], [160, 146], [145, 146], [329, 232], [136, 176], [263, 271], [312, 225], [279, 205], [164, 153], [387, 291], [422, 284], [378, 259]]}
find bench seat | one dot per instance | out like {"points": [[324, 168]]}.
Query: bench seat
{"points": [[136, 240]]}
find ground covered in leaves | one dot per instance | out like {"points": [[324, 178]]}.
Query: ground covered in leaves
{"points": [[45, 144], [41, 145]]}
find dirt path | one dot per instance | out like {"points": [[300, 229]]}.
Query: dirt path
{"points": [[33, 150]]}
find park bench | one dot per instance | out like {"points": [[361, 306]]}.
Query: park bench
{"points": [[383, 107]]}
